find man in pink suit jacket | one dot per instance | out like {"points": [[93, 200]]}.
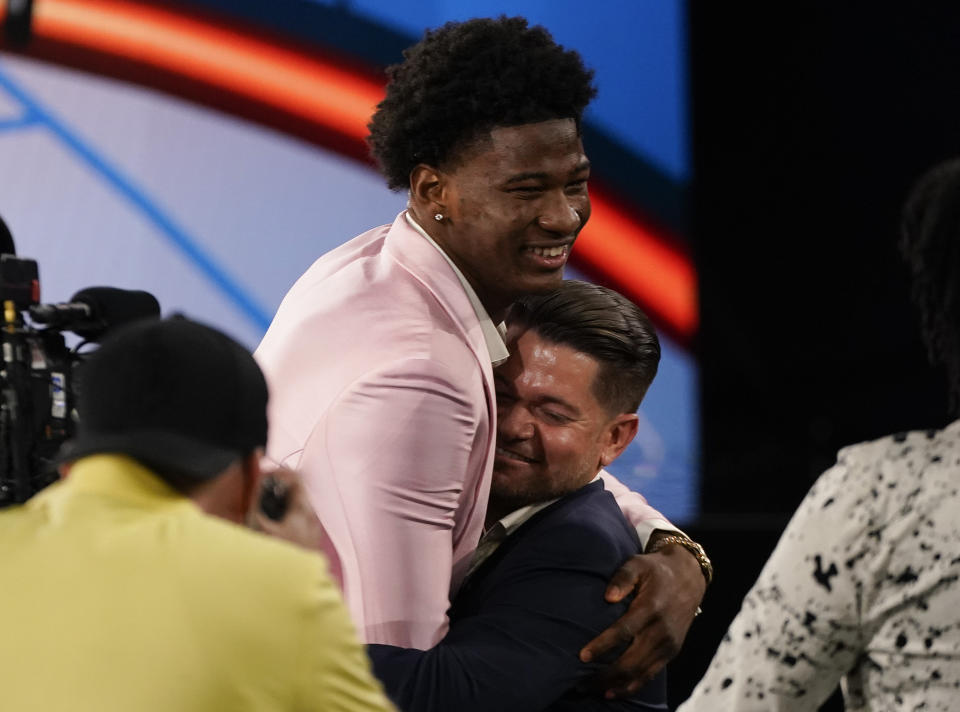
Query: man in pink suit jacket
{"points": [[380, 357], [391, 428]]}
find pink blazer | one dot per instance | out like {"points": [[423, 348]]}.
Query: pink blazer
{"points": [[381, 395]]}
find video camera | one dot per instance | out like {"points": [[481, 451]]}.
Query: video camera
{"points": [[37, 386]]}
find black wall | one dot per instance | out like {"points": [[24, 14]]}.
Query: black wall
{"points": [[810, 125]]}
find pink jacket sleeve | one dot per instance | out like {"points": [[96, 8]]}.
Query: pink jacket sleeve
{"points": [[635, 508], [385, 468]]}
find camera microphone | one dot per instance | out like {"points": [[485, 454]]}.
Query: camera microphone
{"points": [[95, 310], [38, 388]]}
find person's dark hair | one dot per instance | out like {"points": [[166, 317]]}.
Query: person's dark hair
{"points": [[603, 324], [930, 245], [466, 78], [183, 399]]}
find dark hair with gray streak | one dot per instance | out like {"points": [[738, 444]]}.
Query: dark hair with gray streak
{"points": [[603, 324]]}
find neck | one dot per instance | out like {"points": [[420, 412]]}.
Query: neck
{"points": [[224, 496], [499, 506], [496, 310], [495, 307], [496, 510]]}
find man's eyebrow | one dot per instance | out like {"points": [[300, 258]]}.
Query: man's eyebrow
{"points": [[501, 380], [584, 165], [561, 402], [532, 175]]}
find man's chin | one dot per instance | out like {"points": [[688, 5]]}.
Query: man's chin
{"points": [[519, 499], [507, 496], [545, 283]]}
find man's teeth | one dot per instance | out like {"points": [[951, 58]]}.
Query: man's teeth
{"points": [[549, 251], [512, 455]]}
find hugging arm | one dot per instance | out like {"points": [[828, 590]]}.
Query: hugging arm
{"points": [[518, 651], [669, 586]]}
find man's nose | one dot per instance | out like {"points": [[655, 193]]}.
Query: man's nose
{"points": [[561, 215], [514, 423]]}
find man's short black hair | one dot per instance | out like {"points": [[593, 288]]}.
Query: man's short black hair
{"points": [[930, 244], [603, 324], [183, 399], [466, 78]]}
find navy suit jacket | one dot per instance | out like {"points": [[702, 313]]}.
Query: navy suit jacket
{"points": [[519, 621]]}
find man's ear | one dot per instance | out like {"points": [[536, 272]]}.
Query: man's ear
{"points": [[428, 192], [619, 433], [252, 475]]}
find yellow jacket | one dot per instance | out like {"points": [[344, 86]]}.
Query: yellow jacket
{"points": [[117, 593]]}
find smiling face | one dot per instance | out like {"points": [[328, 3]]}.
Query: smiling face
{"points": [[513, 204], [553, 435]]}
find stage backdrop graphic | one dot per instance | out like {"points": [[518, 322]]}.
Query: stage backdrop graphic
{"points": [[106, 182]]}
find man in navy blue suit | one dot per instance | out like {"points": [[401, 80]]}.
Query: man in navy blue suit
{"points": [[581, 359]]}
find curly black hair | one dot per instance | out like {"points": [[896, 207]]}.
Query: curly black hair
{"points": [[930, 245], [466, 78]]}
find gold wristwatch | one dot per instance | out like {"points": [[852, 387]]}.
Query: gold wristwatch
{"points": [[690, 545]]}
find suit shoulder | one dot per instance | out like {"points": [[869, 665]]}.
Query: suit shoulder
{"points": [[384, 307], [586, 525], [595, 510]]}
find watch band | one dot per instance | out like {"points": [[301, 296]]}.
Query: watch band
{"points": [[690, 545]]}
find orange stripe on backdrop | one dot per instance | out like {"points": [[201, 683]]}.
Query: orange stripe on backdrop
{"points": [[615, 246], [641, 264], [276, 76]]}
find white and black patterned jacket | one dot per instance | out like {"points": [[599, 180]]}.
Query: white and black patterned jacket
{"points": [[862, 586]]}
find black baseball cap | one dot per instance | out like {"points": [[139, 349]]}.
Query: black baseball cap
{"points": [[183, 399]]}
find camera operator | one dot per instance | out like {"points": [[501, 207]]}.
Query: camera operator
{"points": [[130, 584]]}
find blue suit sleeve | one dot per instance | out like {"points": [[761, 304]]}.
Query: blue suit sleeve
{"points": [[519, 650]]}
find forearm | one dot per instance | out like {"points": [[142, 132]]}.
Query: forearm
{"points": [[518, 650], [429, 680], [652, 528], [644, 518], [506, 675], [670, 583], [685, 555]]}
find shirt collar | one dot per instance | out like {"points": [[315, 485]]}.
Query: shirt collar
{"points": [[518, 517], [513, 521], [494, 536], [493, 335], [118, 476]]}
